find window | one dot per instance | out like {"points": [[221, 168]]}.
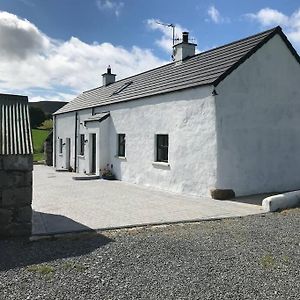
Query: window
{"points": [[121, 144], [81, 145], [123, 87], [162, 145], [60, 145]]}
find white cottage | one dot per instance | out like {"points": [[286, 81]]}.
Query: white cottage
{"points": [[225, 120]]}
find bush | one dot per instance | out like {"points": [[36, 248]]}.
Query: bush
{"points": [[37, 116]]}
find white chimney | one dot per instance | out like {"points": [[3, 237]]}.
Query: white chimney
{"points": [[108, 77], [184, 49]]}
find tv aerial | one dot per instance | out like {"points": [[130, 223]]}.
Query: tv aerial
{"points": [[171, 26]]}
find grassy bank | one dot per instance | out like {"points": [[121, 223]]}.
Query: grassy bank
{"points": [[38, 137]]}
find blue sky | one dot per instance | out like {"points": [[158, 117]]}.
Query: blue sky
{"points": [[54, 49]]}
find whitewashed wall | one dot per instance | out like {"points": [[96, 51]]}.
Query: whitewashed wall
{"points": [[187, 116], [258, 118], [64, 128]]}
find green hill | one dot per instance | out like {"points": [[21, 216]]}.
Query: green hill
{"points": [[48, 107]]}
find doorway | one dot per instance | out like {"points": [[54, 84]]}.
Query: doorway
{"points": [[93, 162]]}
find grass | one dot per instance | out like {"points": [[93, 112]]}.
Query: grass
{"points": [[268, 261], [41, 269], [39, 136], [38, 156], [74, 266]]}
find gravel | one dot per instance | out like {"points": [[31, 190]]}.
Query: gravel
{"points": [[255, 257]]}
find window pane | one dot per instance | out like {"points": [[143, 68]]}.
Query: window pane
{"points": [[121, 144], [162, 145], [82, 144], [60, 146]]}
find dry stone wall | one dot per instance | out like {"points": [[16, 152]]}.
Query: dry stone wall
{"points": [[48, 153], [15, 195]]}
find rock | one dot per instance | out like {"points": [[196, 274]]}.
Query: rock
{"points": [[221, 194]]}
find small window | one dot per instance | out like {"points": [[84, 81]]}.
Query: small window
{"points": [[162, 146], [121, 144], [123, 87], [81, 146], [60, 145]]}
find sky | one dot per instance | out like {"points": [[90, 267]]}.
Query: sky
{"points": [[55, 49]]}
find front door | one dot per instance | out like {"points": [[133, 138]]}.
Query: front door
{"points": [[93, 165]]}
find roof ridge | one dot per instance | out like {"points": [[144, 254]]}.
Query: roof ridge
{"points": [[243, 39], [173, 62]]}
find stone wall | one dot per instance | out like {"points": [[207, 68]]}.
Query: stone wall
{"points": [[15, 195], [48, 150]]}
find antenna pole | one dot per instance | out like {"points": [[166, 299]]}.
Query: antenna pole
{"points": [[173, 29], [173, 33]]}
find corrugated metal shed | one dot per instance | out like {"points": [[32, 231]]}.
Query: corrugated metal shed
{"points": [[206, 68], [15, 130]]}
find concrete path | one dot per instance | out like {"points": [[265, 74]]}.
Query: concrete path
{"points": [[62, 204]]}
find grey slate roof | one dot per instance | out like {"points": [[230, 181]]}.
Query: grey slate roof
{"points": [[206, 68], [15, 131]]}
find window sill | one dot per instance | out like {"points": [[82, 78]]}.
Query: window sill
{"points": [[121, 157], [161, 164], [80, 156], [60, 154]]}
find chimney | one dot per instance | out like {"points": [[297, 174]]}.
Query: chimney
{"points": [[108, 77], [184, 49]]}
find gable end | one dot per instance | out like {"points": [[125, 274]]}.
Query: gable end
{"points": [[277, 30]]}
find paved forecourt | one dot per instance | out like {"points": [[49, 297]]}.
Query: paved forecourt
{"points": [[62, 204]]}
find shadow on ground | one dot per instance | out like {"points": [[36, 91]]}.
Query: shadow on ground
{"points": [[45, 224], [252, 199], [20, 252]]}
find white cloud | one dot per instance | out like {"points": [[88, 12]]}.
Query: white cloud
{"points": [[166, 40], [272, 17], [50, 97], [33, 63], [114, 6], [20, 36], [215, 15], [268, 16]]}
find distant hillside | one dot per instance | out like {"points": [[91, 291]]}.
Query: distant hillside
{"points": [[49, 107]]}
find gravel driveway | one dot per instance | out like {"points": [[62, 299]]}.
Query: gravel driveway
{"points": [[254, 257]]}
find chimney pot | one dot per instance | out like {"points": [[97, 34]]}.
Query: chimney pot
{"points": [[185, 37]]}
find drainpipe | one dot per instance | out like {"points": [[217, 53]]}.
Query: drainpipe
{"points": [[75, 157], [54, 142]]}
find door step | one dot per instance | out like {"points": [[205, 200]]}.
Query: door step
{"points": [[87, 177]]}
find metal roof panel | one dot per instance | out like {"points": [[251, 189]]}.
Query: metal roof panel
{"points": [[15, 130]]}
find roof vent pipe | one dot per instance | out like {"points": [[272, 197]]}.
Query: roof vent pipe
{"points": [[108, 77]]}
